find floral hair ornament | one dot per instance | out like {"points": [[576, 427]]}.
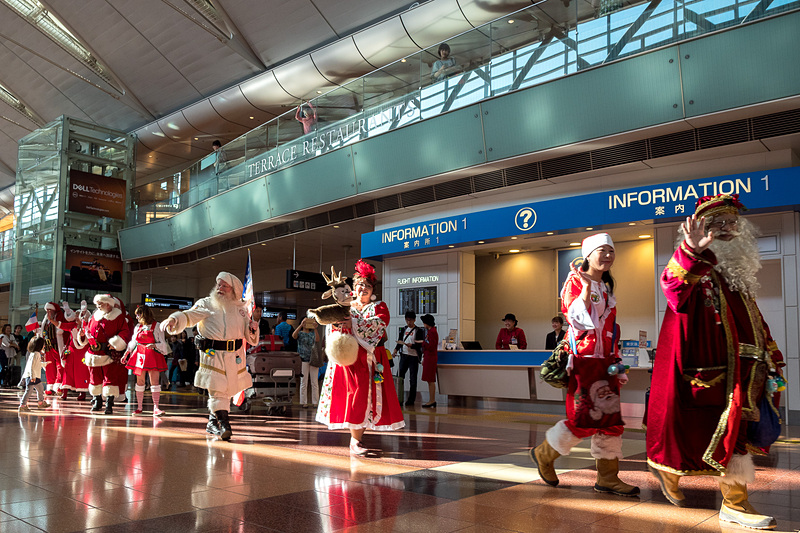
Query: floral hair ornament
{"points": [[366, 273], [710, 206]]}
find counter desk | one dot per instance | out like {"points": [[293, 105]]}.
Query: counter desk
{"points": [[514, 375]]}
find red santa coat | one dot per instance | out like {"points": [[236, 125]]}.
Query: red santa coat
{"points": [[708, 376], [593, 404], [111, 328], [76, 373]]}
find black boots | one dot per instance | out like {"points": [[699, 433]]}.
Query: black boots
{"points": [[219, 425], [97, 403], [109, 405]]}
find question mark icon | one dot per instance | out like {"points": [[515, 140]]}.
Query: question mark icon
{"points": [[525, 219]]}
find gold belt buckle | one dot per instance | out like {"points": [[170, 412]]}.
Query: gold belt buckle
{"points": [[230, 346]]}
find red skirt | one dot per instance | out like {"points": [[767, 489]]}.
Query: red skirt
{"points": [[144, 360], [429, 367]]}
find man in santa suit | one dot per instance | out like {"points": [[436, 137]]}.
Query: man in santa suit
{"points": [[715, 354], [223, 325], [105, 336], [54, 349], [75, 374]]}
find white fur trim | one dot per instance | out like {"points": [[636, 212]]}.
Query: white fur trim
{"points": [[180, 320], [139, 388], [155, 388], [110, 390], [95, 390], [606, 446], [561, 439], [593, 242], [342, 349], [219, 403], [741, 470], [105, 298], [118, 343], [111, 315]]}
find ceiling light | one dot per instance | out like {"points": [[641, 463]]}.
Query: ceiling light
{"points": [[511, 21], [480, 242], [196, 139], [336, 226], [213, 258], [319, 92], [263, 244], [513, 238], [645, 236], [549, 232], [403, 60], [451, 246], [631, 223], [589, 229], [571, 244], [252, 118], [514, 251]]}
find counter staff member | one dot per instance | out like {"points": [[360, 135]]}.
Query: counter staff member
{"points": [[555, 336], [510, 335]]}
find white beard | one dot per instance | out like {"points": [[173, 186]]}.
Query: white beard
{"points": [[224, 303], [739, 260]]}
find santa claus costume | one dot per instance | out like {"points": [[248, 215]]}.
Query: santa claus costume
{"points": [[75, 375], [715, 354], [593, 405], [358, 391], [146, 353], [105, 336], [54, 350]]}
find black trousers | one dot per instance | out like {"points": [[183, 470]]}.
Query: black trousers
{"points": [[410, 362]]}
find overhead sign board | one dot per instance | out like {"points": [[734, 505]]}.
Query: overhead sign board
{"points": [[302, 280], [159, 301], [757, 190]]}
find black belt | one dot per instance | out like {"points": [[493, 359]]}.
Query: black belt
{"points": [[225, 346], [98, 347]]}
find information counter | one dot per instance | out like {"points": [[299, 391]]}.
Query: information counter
{"points": [[514, 375]]}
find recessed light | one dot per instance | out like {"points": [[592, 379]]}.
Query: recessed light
{"points": [[451, 246], [319, 92], [481, 242], [631, 223], [511, 21], [514, 251], [589, 229], [166, 268], [252, 118], [213, 258], [263, 244], [336, 226], [196, 139], [645, 236], [513, 238], [403, 60], [574, 244], [549, 232]]}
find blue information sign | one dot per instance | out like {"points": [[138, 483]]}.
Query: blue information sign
{"points": [[757, 190]]}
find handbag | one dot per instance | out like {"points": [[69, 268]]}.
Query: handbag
{"points": [[765, 432], [554, 369]]}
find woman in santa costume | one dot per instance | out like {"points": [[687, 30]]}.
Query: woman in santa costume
{"points": [[53, 349], [145, 355], [593, 406], [75, 373], [105, 336], [358, 391]]}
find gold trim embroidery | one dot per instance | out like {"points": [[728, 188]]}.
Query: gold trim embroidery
{"points": [[693, 254], [681, 273], [212, 369], [697, 382], [659, 466]]}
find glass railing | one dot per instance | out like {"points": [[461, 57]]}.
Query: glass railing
{"points": [[517, 51]]}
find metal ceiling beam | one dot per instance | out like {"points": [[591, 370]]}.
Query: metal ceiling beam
{"points": [[616, 50]]}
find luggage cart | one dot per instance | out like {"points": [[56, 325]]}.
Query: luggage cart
{"points": [[273, 376]]}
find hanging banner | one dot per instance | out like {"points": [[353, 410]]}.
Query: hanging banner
{"points": [[96, 195]]}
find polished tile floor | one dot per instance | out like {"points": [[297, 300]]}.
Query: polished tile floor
{"points": [[63, 469]]}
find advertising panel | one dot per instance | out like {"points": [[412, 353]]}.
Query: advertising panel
{"points": [[97, 270], [96, 195]]}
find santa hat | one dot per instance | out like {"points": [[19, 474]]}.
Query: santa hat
{"points": [[592, 243], [366, 272], [709, 206], [58, 312], [106, 299], [233, 281]]}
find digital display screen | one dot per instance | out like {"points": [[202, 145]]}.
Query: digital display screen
{"points": [[158, 301]]}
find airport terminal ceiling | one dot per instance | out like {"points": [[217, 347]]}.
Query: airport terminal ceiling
{"points": [[181, 73]]}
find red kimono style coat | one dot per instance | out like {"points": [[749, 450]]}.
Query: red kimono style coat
{"points": [[714, 351]]}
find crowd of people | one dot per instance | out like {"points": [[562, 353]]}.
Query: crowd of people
{"points": [[715, 372]]}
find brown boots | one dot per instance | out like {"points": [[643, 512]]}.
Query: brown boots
{"points": [[736, 508], [669, 486], [543, 456], [608, 482]]}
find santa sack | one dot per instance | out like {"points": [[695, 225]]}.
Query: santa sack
{"points": [[766, 431]]}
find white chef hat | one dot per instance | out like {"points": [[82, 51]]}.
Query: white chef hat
{"points": [[233, 281], [592, 243]]}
